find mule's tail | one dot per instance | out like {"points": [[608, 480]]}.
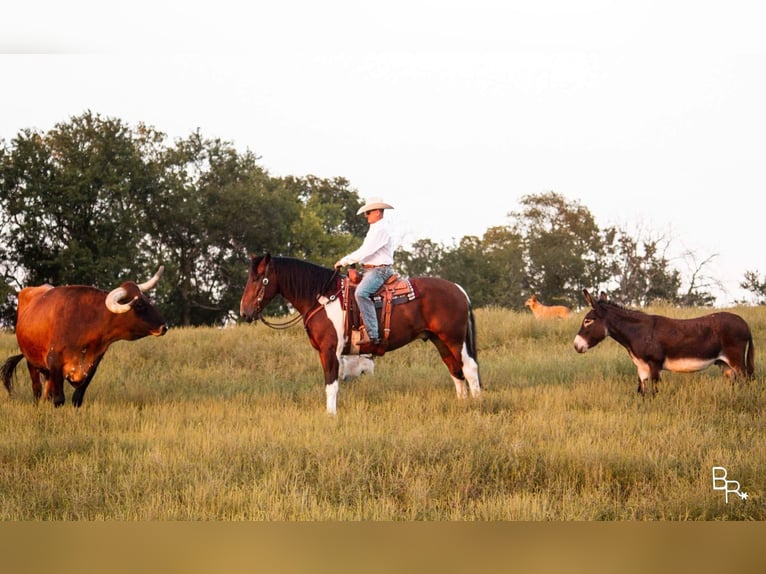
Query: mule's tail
{"points": [[750, 357], [6, 371]]}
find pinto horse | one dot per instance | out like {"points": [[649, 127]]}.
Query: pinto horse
{"points": [[655, 342], [441, 313]]}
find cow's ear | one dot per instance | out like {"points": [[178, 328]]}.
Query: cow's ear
{"points": [[588, 298]]}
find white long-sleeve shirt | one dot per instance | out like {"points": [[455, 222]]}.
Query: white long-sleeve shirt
{"points": [[376, 249]]}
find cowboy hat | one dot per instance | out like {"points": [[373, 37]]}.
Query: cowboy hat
{"points": [[373, 203]]}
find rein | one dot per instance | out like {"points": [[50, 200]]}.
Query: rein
{"points": [[281, 326], [298, 316]]}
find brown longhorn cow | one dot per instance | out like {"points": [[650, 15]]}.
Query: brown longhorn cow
{"points": [[64, 332]]}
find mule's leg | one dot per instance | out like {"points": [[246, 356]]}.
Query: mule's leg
{"points": [[646, 372], [655, 376], [728, 370]]}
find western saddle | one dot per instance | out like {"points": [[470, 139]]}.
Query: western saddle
{"points": [[394, 291]]}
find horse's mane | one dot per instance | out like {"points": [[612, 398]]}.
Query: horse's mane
{"points": [[305, 280]]}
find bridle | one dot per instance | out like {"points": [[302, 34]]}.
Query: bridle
{"points": [[313, 310]]}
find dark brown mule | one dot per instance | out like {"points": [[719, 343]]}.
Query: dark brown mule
{"points": [[655, 342], [441, 313]]}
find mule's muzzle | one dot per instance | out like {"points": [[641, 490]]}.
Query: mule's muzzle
{"points": [[580, 344]]}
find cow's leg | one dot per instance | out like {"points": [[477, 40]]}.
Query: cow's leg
{"points": [[79, 392], [54, 384], [37, 384], [54, 388]]}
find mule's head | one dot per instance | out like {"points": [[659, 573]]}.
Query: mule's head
{"points": [[261, 287], [593, 329]]}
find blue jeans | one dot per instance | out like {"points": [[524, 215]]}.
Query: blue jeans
{"points": [[371, 281]]}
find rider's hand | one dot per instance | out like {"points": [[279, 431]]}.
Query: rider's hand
{"points": [[338, 265]]}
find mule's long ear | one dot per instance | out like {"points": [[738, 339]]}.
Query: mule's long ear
{"points": [[588, 298]]}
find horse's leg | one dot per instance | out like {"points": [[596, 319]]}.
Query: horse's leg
{"points": [[471, 372], [454, 364], [331, 367]]}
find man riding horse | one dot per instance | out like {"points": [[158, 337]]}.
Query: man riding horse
{"points": [[376, 256]]}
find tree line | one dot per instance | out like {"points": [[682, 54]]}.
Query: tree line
{"points": [[96, 201]]}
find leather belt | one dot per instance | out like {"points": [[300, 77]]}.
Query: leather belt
{"points": [[365, 266]]}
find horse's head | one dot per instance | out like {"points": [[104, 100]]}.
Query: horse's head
{"points": [[261, 287], [593, 329]]}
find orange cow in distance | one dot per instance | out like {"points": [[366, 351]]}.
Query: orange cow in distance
{"points": [[541, 311]]}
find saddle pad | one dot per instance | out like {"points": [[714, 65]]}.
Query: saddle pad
{"points": [[401, 291]]}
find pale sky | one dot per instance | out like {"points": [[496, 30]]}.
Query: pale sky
{"points": [[651, 114]]}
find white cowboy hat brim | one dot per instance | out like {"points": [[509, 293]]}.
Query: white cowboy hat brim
{"points": [[373, 203]]}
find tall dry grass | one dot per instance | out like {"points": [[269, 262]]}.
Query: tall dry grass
{"points": [[209, 424]]}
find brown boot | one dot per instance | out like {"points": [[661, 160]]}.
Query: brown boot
{"points": [[365, 338]]}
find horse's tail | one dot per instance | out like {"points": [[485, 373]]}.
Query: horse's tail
{"points": [[470, 334], [750, 357], [6, 371]]}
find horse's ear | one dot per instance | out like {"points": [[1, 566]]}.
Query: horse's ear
{"points": [[588, 298], [602, 296], [263, 263]]}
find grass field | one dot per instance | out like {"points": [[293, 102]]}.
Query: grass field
{"points": [[230, 424]]}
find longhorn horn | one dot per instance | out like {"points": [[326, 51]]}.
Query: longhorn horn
{"points": [[113, 301], [148, 285]]}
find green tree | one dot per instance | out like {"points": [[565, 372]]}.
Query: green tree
{"points": [[424, 258], [563, 246], [74, 200], [328, 226], [642, 272], [756, 285], [490, 269], [214, 207]]}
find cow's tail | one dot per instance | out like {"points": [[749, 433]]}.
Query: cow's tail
{"points": [[750, 357], [6, 370]]}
